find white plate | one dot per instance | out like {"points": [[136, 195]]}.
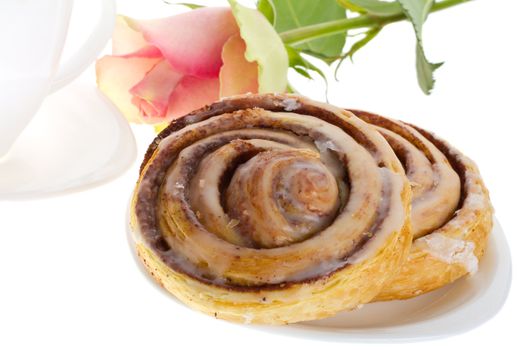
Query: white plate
{"points": [[77, 139], [453, 309]]}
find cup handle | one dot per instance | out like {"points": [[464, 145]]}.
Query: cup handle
{"points": [[90, 49]]}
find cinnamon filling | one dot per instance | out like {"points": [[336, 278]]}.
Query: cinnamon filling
{"points": [[436, 185], [257, 198]]}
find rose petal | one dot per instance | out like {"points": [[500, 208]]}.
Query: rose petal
{"points": [[126, 39], [237, 75], [190, 94], [264, 46], [151, 95], [129, 42], [147, 52], [191, 41], [115, 77]]}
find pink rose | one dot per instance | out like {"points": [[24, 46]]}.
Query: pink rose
{"points": [[164, 68]]}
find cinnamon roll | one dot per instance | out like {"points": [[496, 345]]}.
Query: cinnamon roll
{"points": [[271, 209], [451, 212]]}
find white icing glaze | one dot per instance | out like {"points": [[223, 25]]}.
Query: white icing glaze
{"points": [[392, 222], [290, 104], [256, 266], [325, 145], [436, 187], [248, 318], [329, 159], [450, 250], [302, 213], [319, 268], [475, 201]]}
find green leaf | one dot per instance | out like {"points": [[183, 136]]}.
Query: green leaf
{"points": [[187, 4], [425, 70], [373, 7], [292, 14], [349, 5], [303, 72], [267, 8], [264, 46], [326, 59], [303, 66], [368, 36], [416, 12], [297, 61]]}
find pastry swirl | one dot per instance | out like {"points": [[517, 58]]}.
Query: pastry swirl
{"points": [[451, 211], [271, 209]]}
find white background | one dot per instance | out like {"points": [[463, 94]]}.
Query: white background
{"points": [[67, 276]]}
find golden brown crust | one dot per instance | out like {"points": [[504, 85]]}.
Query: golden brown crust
{"points": [[271, 276], [453, 248], [321, 298], [423, 272]]}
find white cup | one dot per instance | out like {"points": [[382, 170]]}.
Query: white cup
{"points": [[32, 36]]}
